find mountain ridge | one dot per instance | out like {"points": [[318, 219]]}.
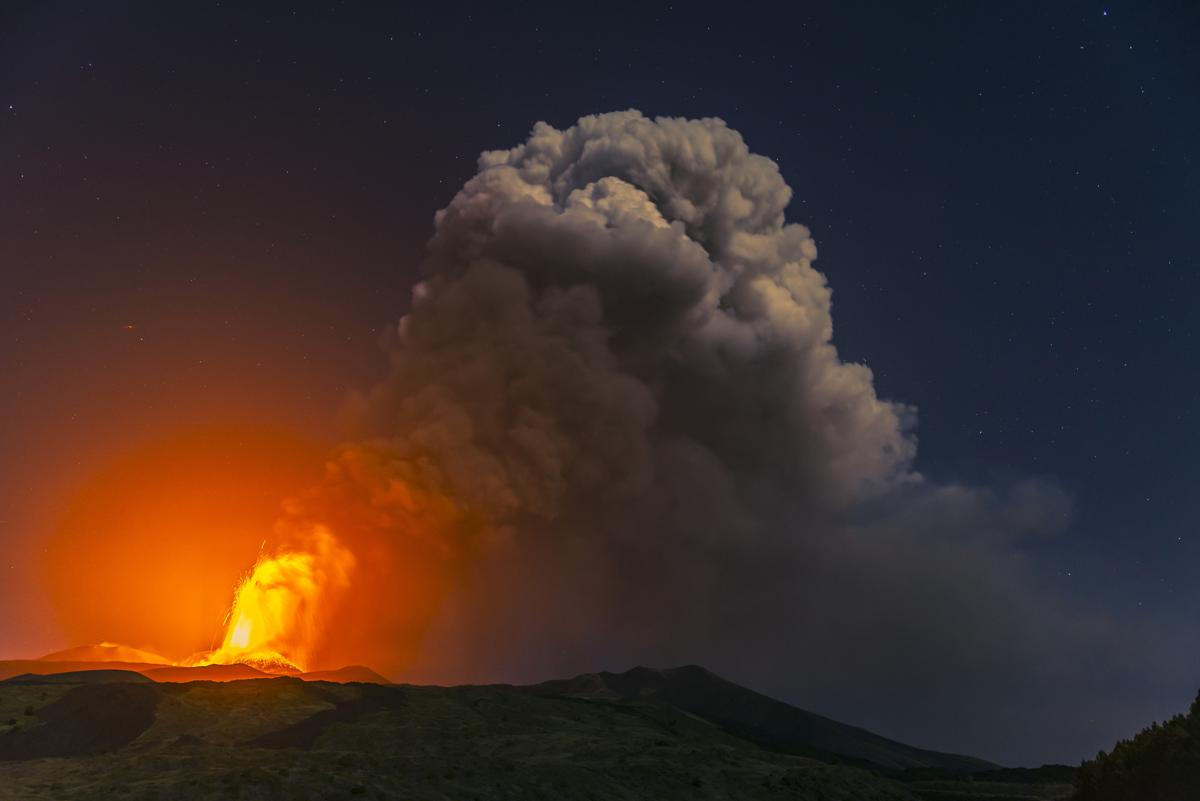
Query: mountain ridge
{"points": [[765, 721], [742, 712]]}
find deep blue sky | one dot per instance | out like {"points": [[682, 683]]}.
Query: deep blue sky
{"points": [[1004, 196]]}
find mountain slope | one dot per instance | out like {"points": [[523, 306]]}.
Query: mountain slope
{"points": [[106, 652], [284, 738], [19, 667], [770, 723]]}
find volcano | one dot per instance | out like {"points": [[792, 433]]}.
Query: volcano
{"points": [[106, 652]]}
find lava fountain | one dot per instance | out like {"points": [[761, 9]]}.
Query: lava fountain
{"points": [[283, 605]]}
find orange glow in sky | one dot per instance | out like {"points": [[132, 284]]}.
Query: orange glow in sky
{"points": [[150, 549]]}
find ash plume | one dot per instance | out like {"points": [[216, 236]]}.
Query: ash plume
{"points": [[615, 430]]}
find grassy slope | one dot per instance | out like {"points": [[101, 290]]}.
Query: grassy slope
{"points": [[289, 739], [417, 743]]}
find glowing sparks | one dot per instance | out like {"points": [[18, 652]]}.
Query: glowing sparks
{"points": [[281, 607]]}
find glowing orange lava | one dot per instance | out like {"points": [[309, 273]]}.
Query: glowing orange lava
{"points": [[282, 606]]}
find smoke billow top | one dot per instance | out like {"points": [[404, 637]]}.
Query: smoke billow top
{"points": [[615, 430]]}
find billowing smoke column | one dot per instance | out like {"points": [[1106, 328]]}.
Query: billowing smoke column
{"points": [[615, 430]]}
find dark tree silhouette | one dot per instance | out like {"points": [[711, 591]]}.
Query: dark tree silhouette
{"points": [[1162, 763]]}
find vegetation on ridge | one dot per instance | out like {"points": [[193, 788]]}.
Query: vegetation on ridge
{"points": [[1162, 763]]}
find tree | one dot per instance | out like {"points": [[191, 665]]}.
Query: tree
{"points": [[1162, 763]]}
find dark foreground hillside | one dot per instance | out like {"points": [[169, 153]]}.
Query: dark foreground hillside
{"points": [[97, 737]]}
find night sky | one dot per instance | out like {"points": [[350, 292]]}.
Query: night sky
{"points": [[209, 214]]}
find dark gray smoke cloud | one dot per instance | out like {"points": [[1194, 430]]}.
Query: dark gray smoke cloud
{"points": [[616, 420]]}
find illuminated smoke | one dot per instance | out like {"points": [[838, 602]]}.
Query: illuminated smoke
{"points": [[615, 430]]}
